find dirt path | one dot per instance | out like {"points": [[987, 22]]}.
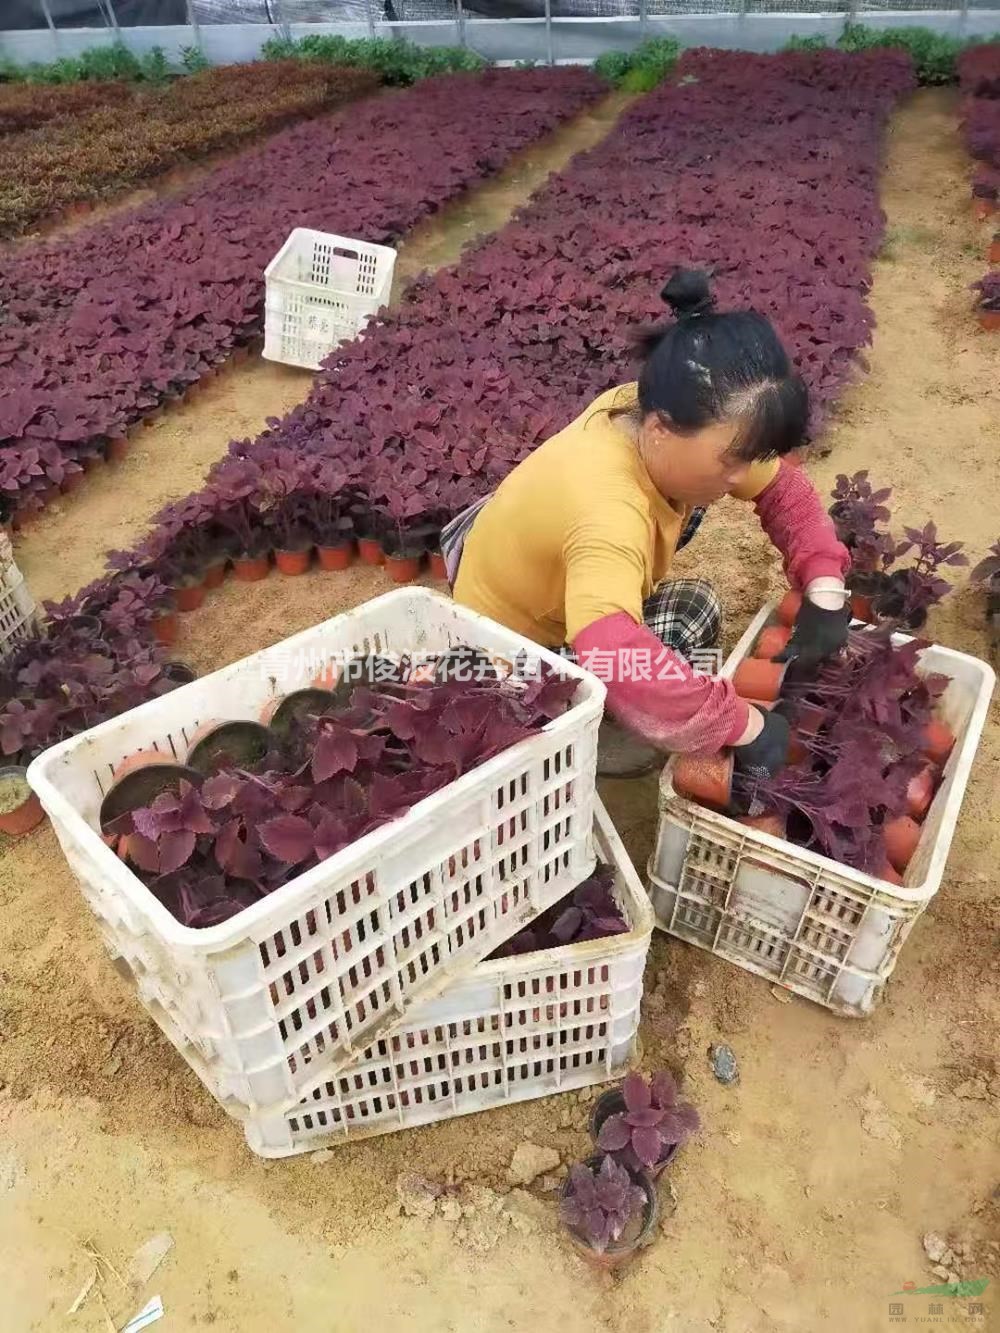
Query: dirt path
{"points": [[64, 548], [800, 1207]]}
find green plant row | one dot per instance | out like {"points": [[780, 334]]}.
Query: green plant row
{"points": [[102, 63], [641, 69], [934, 54], [397, 62]]}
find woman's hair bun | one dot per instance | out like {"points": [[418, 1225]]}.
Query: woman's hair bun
{"points": [[688, 293]]}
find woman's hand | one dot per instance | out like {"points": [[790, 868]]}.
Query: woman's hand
{"points": [[767, 751], [820, 628]]}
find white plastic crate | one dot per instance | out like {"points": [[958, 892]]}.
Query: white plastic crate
{"points": [[17, 609], [302, 982], [509, 1030], [320, 290], [819, 928]]}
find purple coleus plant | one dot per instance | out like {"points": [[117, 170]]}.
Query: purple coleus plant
{"points": [[987, 569], [911, 592], [588, 912], [857, 510], [652, 1122], [599, 1203]]}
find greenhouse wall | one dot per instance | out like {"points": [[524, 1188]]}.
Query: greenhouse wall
{"points": [[539, 30]]}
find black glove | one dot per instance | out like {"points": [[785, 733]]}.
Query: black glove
{"points": [[768, 752], [818, 633]]}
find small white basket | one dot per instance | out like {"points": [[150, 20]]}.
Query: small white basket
{"points": [[509, 1030], [301, 983], [819, 928], [17, 609], [320, 290]]}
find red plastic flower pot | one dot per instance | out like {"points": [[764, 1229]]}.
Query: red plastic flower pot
{"points": [[773, 824], [993, 254], [890, 874], [141, 786], [757, 679], [809, 718], [772, 641], [901, 837], [438, 568], [982, 209], [861, 608], [189, 597], [938, 741], [989, 320], [707, 779], [402, 568], [327, 678], [251, 568], [293, 562], [146, 758], [336, 557], [29, 813], [920, 793], [788, 607], [215, 575], [797, 752], [72, 482], [370, 551], [166, 627], [237, 744]]}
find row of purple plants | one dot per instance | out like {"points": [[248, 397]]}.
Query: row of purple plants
{"points": [[100, 329], [763, 168]]}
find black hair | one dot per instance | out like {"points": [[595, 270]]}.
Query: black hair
{"points": [[708, 367]]}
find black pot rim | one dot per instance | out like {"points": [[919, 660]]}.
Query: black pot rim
{"points": [[179, 771]]}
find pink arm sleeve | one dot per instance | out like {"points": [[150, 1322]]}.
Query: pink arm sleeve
{"points": [[792, 515], [676, 709]]}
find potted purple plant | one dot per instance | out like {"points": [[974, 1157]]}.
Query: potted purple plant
{"points": [[910, 593], [856, 511], [609, 1210], [642, 1123], [986, 575], [234, 490], [326, 509]]}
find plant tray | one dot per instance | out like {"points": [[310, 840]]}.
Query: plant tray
{"points": [[819, 928], [321, 290], [302, 983], [511, 1029]]}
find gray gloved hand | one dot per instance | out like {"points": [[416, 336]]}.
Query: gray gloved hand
{"points": [[767, 753], [817, 634]]}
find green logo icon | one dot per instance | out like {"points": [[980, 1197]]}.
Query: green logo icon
{"points": [[973, 1287]]}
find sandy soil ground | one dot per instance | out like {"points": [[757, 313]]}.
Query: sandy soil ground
{"points": [[801, 1206]]}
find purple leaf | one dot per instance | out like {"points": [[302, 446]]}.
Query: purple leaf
{"points": [[217, 792], [615, 1134], [175, 850], [645, 1119], [647, 1145], [636, 1092], [567, 924], [679, 1123], [288, 838], [663, 1088], [336, 752]]}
